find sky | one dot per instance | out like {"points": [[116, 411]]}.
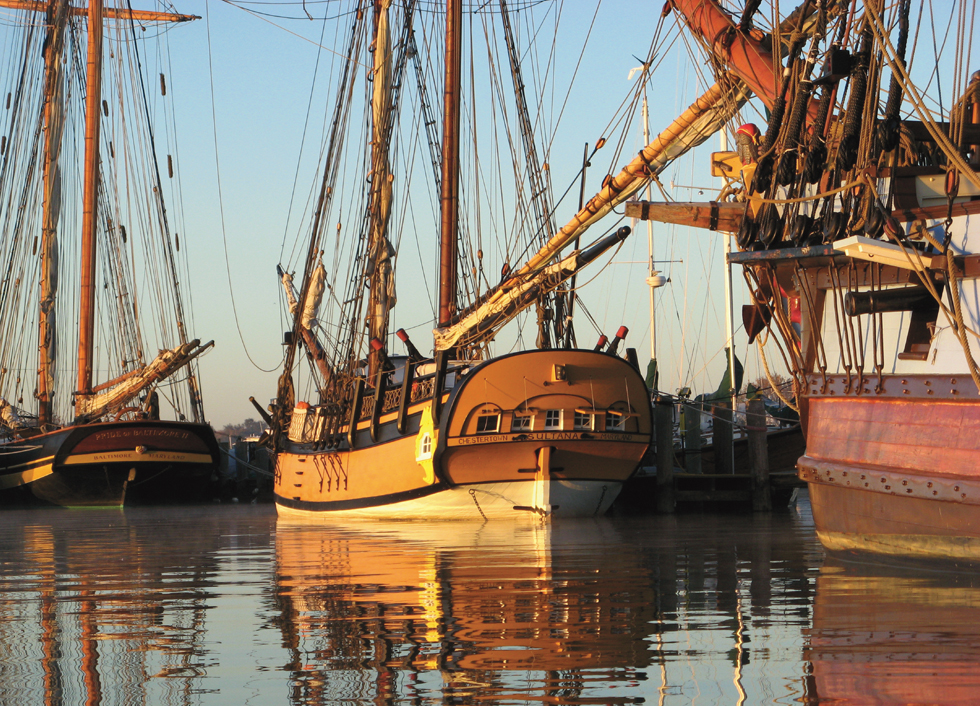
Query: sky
{"points": [[241, 86]]}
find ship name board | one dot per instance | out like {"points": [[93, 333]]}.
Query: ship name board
{"points": [[539, 436], [140, 433]]}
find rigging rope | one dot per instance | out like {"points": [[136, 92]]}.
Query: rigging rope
{"points": [[221, 207]]}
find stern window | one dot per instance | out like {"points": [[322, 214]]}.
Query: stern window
{"points": [[583, 421], [615, 421], [425, 448], [488, 424], [552, 419], [521, 423]]}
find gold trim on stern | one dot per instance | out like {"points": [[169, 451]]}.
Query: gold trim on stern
{"points": [[497, 438], [134, 456], [12, 480]]}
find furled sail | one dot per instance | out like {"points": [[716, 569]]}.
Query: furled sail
{"points": [[701, 120], [116, 398], [314, 295], [379, 267], [498, 310]]}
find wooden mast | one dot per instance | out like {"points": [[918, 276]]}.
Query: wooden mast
{"points": [[449, 199], [57, 13], [53, 120], [379, 248], [112, 13], [93, 104]]}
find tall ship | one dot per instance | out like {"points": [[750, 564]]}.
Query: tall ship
{"points": [[457, 431], [856, 212], [95, 351]]}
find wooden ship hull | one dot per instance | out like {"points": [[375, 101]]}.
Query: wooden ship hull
{"points": [[553, 433], [863, 264], [108, 464], [894, 473]]}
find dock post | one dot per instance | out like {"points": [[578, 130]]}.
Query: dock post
{"points": [[692, 437], [723, 437], [663, 412], [755, 422]]}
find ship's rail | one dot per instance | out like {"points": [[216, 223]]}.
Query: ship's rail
{"points": [[326, 425]]}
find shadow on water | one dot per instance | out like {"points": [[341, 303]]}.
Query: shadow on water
{"points": [[228, 605]]}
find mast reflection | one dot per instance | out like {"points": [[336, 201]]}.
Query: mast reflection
{"points": [[99, 608], [506, 611]]}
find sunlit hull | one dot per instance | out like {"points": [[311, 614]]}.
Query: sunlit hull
{"points": [[101, 465], [465, 468], [892, 456], [895, 476]]}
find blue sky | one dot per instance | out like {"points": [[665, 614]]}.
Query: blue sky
{"points": [[241, 86]]}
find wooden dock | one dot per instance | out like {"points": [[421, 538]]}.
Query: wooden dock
{"points": [[757, 473]]}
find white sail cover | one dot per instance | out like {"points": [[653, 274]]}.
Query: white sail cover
{"points": [[504, 304], [314, 296], [287, 284], [167, 362], [8, 415]]}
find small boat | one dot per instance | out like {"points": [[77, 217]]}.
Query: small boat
{"points": [[462, 433], [84, 230], [864, 218]]}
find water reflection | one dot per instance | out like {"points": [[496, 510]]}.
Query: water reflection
{"points": [[101, 607], [895, 635], [227, 605], [458, 609], [575, 612]]}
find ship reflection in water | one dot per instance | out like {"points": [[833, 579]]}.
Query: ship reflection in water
{"points": [[899, 635], [227, 605]]}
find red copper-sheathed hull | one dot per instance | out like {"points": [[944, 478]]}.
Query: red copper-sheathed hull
{"points": [[895, 476]]}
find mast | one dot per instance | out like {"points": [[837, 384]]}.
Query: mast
{"points": [[729, 316], [449, 198], [93, 102], [650, 270], [380, 250], [53, 122]]}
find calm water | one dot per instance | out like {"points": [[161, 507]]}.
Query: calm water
{"points": [[227, 605]]}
